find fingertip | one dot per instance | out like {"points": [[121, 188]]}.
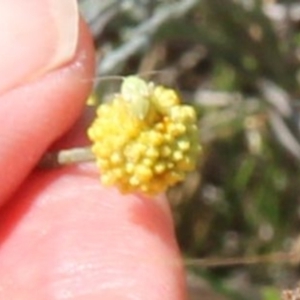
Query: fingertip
{"points": [[96, 241]]}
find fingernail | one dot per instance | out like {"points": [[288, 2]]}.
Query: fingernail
{"points": [[36, 37], [162, 201], [65, 18]]}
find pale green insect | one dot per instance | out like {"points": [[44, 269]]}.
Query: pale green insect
{"points": [[137, 94]]}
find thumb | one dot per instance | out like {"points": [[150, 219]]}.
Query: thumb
{"points": [[36, 36], [47, 55]]}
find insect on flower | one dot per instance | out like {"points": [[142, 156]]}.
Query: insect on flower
{"points": [[136, 92], [144, 139]]}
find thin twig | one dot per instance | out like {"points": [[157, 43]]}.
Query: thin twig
{"points": [[280, 257]]}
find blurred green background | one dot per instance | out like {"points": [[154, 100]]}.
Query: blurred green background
{"points": [[237, 62]]}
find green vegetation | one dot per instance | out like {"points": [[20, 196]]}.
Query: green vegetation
{"points": [[237, 62]]}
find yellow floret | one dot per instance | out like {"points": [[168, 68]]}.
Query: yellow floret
{"points": [[149, 148]]}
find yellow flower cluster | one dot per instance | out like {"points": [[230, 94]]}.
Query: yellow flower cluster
{"points": [[144, 140]]}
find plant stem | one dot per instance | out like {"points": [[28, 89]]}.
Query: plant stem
{"points": [[66, 157]]}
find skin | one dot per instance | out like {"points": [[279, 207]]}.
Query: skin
{"points": [[62, 234]]}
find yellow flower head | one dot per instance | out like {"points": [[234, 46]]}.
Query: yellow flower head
{"points": [[144, 140]]}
